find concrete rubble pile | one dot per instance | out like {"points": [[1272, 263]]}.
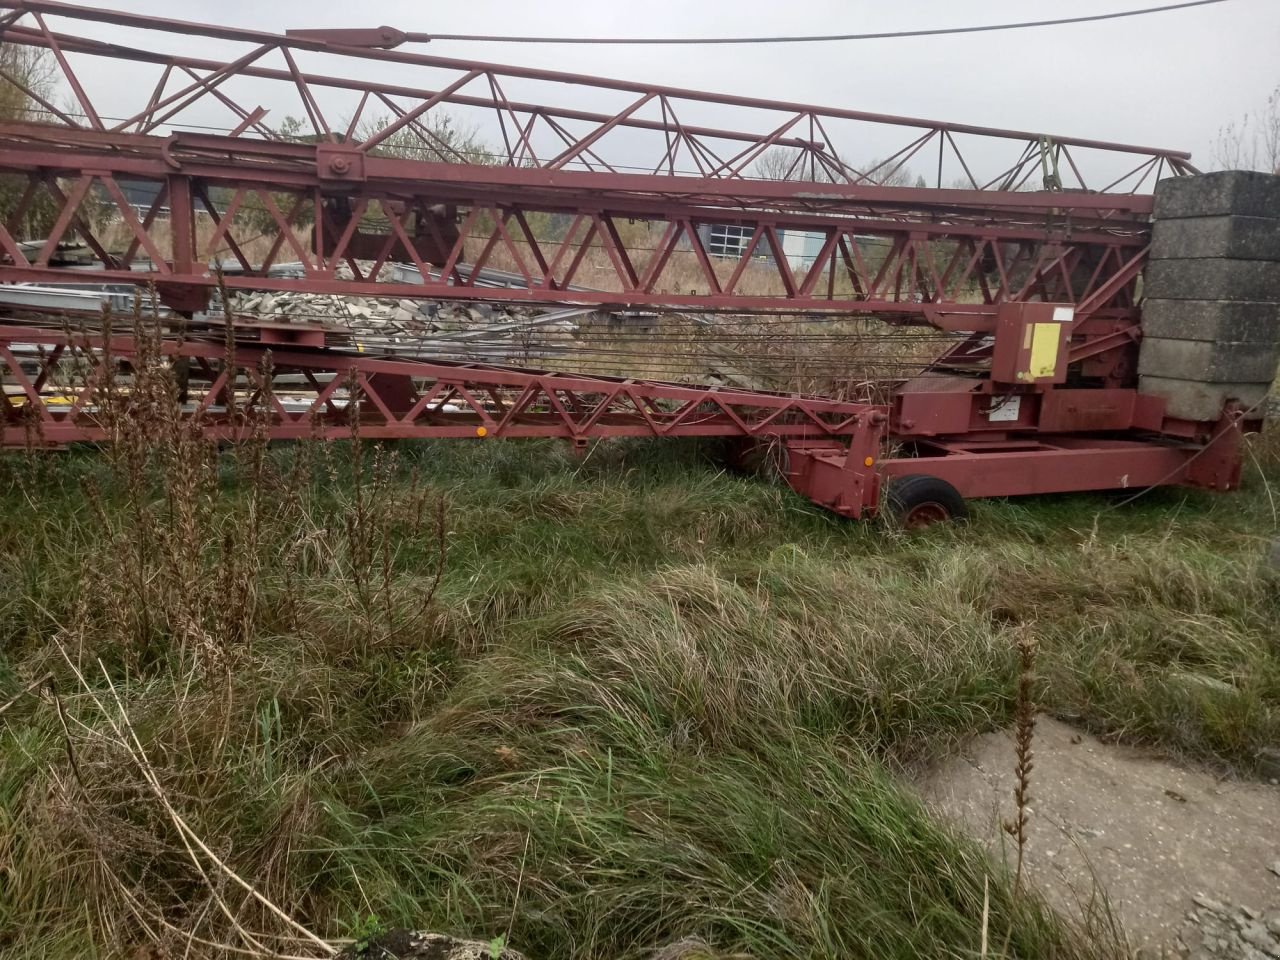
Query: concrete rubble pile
{"points": [[447, 329], [1211, 317], [385, 316], [514, 333], [1214, 930]]}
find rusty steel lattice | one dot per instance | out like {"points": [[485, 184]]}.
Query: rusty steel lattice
{"points": [[299, 389], [1028, 248], [437, 205], [576, 138], [287, 385]]}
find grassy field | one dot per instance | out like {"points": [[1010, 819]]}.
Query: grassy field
{"points": [[626, 706]]}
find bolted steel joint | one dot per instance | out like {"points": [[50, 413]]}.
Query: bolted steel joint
{"points": [[338, 161]]}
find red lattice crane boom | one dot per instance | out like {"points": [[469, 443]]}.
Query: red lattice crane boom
{"points": [[1019, 238]]}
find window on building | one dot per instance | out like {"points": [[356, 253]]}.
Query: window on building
{"points": [[725, 240]]}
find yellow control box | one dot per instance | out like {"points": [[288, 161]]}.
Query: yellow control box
{"points": [[1031, 343]]}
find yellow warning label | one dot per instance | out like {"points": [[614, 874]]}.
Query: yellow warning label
{"points": [[1044, 350]]}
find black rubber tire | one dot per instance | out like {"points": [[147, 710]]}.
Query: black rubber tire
{"points": [[918, 500]]}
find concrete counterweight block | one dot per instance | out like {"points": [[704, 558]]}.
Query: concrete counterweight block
{"points": [[1216, 279], [1230, 320], [1198, 400], [1211, 293], [1237, 238], [1240, 192], [1220, 361]]}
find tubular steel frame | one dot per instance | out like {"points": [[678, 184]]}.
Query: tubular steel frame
{"points": [[375, 178], [940, 241], [292, 387], [303, 389]]}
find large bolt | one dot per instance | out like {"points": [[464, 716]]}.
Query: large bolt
{"points": [[339, 164]]}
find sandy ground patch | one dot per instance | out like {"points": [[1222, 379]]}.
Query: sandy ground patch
{"points": [[1154, 834]]}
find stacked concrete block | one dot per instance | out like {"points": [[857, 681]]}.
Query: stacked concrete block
{"points": [[1211, 313]]}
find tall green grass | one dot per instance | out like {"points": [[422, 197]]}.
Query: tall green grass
{"points": [[649, 706]]}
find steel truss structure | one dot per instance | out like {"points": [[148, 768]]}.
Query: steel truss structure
{"points": [[371, 174], [303, 390]]}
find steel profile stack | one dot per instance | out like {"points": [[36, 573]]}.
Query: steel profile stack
{"points": [[1211, 313]]}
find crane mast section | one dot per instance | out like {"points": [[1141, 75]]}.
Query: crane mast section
{"points": [[339, 162], [341, 145], [914, 254]]}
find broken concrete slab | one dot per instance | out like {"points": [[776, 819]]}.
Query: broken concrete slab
{"points": [[1197, 400], [1220, 361], [1239, 321], [1241, 238], [1213, 280], [1244, 192]]}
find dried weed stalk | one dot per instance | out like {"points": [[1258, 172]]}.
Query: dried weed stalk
{"points": [[1024, 735]]}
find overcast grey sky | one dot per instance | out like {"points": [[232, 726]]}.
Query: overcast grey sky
{"points": [[1167, 80]]}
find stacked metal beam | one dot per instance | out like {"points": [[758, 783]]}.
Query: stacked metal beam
{"points": [[1211, 315]]}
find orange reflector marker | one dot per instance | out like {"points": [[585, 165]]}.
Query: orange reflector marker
{"points": [[481, 432], [868, 462]]}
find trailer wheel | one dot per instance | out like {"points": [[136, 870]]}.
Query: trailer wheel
{"points": [[918, 500]]}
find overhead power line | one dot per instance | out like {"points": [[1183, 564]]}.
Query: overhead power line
{"points": [[823, 38]]}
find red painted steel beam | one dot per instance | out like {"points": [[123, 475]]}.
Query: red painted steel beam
{"points": [[1001, 228], [1003, 262], [301, 41], [62, 151], [398, 399], [349, 84], [953, 317], [949, 257], [1054, 465], [817, 142]]}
